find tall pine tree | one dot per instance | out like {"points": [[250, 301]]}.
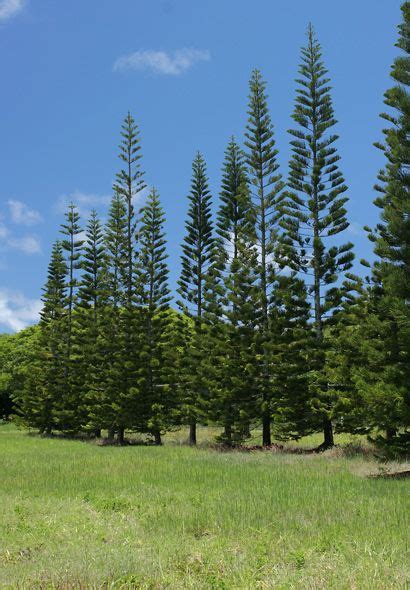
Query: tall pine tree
{"points": [[72, 243], [157, 398], [315, 210], [198, 258], [45, 382], [266, 186], [390, 379], [128, 186], [234, 400], [107, 410], [88, 324]]}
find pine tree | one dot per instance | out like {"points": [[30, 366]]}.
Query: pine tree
{"points": [[115, 244], [231, 353], [45, 381], [198, 258], [66, 410], [291, 345], [128, 186], [391, 271], [392, 234], [157, 399], [315, 209], [266, 186], [88, 324], [107, 410]]}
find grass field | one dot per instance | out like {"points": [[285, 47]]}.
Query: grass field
{"points": [[76, 515]]}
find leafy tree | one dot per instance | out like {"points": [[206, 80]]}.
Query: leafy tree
{"points": [[315, 211], [198, 258], [18, 356], [266, 186]]}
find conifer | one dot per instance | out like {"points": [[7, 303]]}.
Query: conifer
{"points": [[157, 401], [315, 211], [72, 243], [198, 258], [266, 186]]}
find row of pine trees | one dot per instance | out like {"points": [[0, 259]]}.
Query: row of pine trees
{"points": [[270, 328]]}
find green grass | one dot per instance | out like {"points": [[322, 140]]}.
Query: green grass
{"points": [[75, 515]]}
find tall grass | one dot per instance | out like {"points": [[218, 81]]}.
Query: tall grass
{"points": [[75, 515]]}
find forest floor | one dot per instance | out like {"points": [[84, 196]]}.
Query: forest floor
{"points": [[77, 515]]}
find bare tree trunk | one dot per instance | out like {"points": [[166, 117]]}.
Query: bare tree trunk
{"points": [[266, 433], [120, 435], [192, 432]]}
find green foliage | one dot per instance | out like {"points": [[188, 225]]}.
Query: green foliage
{"points": [[158, 406], [314, 210], [66, 401], [17, 356], [88, 345], [129, 184], [384, 380], [265, 187], [236, 307], [198, 260]]}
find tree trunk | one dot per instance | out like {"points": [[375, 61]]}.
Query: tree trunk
{"points": [[97, 433], [111, 434], [192, 433], [266, 434], [157, 437], [120, 435], [328, 440]]}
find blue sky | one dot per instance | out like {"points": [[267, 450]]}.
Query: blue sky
{"points": [[70, 71]]}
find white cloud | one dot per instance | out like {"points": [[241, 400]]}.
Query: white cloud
{"points": [[26, 244], [84, 202], [4, 232], [22, 214], [161, 62], [17, 311], [9, 8]]}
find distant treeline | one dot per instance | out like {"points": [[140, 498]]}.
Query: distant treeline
{"points": [[270, 327]]}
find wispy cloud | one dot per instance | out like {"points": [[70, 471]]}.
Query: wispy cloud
{"points": [[4, 231], [84, 202], [16, 310], [161, 62], [22, 214], [26, 244], [9, 8]]}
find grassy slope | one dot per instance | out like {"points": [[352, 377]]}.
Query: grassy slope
{"points": [[76, 515]]}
